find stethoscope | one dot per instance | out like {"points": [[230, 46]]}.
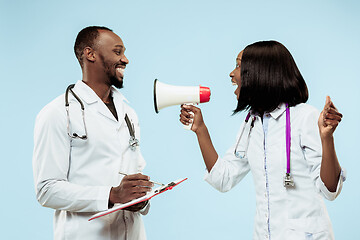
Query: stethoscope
{"points": [[133, 142], [288, 179]]}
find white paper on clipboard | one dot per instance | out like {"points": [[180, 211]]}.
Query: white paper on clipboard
{"points": [[148, 196]]}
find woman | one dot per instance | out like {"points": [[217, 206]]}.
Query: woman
{"points": [[279, 129]]}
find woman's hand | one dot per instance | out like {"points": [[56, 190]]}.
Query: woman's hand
{"points": [[191, 114], [330, 168], [329, 119]]}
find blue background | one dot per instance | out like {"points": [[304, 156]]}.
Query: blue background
{"points": [[181, 43]]}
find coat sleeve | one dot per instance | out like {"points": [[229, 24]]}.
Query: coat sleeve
{"points": [[312, 149], [51, 166], [228, 170]]}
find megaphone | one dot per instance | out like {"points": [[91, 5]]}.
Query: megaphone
{"points": [[166, 95]]}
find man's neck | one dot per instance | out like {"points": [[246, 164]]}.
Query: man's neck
{"points": [[102, 90]]}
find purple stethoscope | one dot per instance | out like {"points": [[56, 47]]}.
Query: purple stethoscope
{"points": [[288, 179]]}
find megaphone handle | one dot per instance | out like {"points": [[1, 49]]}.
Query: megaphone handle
{"points": [[188, 127]]}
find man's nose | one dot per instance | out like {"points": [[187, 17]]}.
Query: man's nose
{"points": [[125, 60]]}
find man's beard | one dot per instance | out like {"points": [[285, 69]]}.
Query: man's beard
{"points": [[115, 82], [112, 77]]}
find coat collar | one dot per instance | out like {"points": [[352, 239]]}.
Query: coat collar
{"points": [[278, 111], [88, 95], [275, 113]]}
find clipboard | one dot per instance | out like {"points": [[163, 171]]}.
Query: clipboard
{"points": [[148, 196]]}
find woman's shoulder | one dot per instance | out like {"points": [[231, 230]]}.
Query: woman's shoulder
{"points": [[305, 109], [304, 113]]}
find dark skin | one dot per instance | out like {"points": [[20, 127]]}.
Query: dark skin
{"points": [[328, 121], [103, 66]]}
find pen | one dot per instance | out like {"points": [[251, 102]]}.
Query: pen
{"points": [[161, 184]]}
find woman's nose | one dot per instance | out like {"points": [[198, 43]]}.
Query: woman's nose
{"points": [[231, 74]]}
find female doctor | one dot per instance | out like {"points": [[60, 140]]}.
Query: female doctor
{"points": [[286, 144]]}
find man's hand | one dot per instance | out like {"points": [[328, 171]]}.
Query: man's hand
{"points": [[329, 119], [131, 187], [137, 207]]}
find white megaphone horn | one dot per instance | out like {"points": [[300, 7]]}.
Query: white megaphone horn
{"points": [[166, 95]]}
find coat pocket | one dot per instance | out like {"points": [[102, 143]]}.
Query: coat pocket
{"points": [[311, 228]]}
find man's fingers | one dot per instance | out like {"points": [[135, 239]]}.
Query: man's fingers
{"points": [[136, 180], [135, 177], [140, 189], [136, 183]]}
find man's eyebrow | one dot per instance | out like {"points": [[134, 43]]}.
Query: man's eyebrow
{"points": [[120, 46]]}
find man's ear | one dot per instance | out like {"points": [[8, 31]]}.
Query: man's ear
{"points": [[89, 54]]}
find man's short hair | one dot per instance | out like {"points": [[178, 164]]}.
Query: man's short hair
{"points": [[86, 38]]}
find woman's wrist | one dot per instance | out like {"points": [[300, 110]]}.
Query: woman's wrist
{"points": [[327, 138], [201, 129]]}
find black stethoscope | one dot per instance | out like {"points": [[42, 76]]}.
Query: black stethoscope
{"points": [[288, 179], [133, 142], [74, 135]]}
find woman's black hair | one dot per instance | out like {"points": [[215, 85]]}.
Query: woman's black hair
{"points": [[269, 76]]}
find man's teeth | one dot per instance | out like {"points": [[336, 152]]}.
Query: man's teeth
{"points": [[121, 70]]}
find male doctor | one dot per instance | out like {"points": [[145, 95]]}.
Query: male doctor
{"points": [[78, 155]]}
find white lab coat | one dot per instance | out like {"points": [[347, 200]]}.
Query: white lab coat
{"points": [[281, 213], [74, 176]]}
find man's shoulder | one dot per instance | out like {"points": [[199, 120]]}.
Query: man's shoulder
{"points": [[54, 109]]}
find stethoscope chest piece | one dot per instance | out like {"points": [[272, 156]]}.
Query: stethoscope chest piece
{"points": [[288, 180], [240, 154], [133, 143]]}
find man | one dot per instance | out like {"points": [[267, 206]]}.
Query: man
{"points": [[78, 155]]}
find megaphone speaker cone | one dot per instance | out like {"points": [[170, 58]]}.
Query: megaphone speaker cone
{"points": [[168, 95]]}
